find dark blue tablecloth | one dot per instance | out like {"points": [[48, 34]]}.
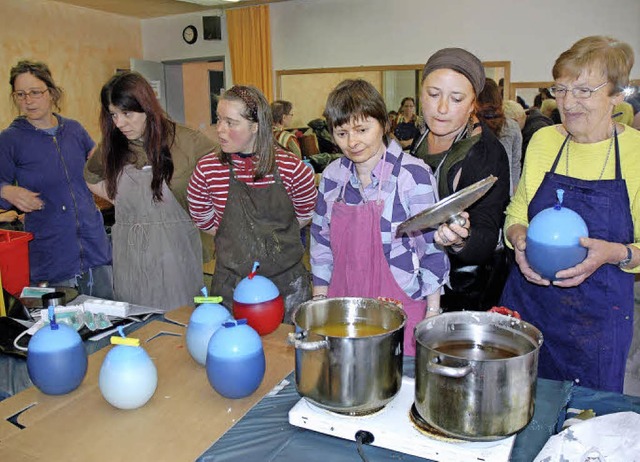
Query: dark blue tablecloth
{"points": [[265, 434]]}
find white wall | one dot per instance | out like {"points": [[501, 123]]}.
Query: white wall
{"points": [[162, 40], [338, 33], [529, 33]]}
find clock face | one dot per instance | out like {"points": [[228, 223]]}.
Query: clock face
{"points": [[190, 34]]}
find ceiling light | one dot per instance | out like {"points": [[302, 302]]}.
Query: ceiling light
{"points": [[209, 2]]}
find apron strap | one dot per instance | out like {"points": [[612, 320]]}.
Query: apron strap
{"points": [[555, 162]]}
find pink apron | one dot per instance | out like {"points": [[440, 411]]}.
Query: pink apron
{"points": [[360, 268]]}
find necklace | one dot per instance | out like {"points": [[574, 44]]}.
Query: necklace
{"points": [[613, 133]]}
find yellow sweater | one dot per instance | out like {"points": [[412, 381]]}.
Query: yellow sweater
{"points": [[585, 162]]}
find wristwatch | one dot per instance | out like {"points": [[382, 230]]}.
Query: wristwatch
{"points": [[625, 261]]}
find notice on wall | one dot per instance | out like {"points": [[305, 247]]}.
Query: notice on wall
{"points": [[157, 87]]}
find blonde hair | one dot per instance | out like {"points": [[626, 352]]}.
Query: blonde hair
{"points": [[613, 57], [547, 107], [513, 110]]}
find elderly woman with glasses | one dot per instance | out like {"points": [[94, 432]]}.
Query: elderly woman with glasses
{"points": [[586, 312], [42, 156]]}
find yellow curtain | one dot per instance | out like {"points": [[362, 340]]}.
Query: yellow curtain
{"points": [[249, 34]]}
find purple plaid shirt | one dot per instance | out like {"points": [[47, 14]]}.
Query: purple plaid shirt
{"points": [[417, 265]]}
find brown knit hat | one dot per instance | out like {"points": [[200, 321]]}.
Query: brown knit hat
{"points": [[458, 60]]}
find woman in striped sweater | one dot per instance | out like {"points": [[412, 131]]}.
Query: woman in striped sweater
{"points": [[253, 197]]}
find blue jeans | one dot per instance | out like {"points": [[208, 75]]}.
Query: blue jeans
{"points": [[97, 282]]}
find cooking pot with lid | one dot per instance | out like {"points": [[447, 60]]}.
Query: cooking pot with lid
{"points": [[348, 353], [476, 373]]}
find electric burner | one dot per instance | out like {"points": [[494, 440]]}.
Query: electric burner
{"points": [[393, 428], [426, 429]]}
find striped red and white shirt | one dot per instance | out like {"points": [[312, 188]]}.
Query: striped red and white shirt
{"points": [[209, 186]]}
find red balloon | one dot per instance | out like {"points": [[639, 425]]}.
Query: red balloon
{"points": [[264, 317]]}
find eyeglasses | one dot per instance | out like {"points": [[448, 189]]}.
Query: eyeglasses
{"points": [[33, 94], [577, 92]]}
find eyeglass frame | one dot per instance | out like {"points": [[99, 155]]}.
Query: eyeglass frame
{"points": [[563, 91], [33, 94]]}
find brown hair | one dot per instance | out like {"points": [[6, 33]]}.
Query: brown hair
{"points": [[257, 110], [613, 57], [279, 109], [41, 72], [489, 106], [355, 99], [130, 91]]}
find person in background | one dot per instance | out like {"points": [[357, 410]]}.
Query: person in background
{"points": [[547, 109], [406, 127], [282, 113], [142, 165], [489, 109], [462, 150], [254, 197], [364, 196], [534, 122], [42, 155], [586, 314]]}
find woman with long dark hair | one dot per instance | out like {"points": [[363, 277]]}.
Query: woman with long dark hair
{"points": [[143, 165]]}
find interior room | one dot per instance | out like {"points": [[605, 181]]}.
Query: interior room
{"points": [[193, 383]]}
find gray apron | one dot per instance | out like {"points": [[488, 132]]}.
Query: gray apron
{"points": [[260, 224], [157, 254]]}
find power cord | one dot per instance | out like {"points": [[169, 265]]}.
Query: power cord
{"points": [[363, 437]]}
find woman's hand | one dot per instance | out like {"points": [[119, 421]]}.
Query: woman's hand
{"points": [[22, 198], [453, 235], [8, 217], [599, 253], [517, 235]]}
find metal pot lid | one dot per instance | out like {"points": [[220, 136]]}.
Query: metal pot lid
{"points": [[448, 209]]}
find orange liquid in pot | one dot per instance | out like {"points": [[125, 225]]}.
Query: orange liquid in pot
{"points": [[351, 330]]}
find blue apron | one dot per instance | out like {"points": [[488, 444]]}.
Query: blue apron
{"points": [[587, 329]]}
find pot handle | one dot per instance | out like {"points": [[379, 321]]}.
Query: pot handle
{"points": [[297, 340], [448, 371]]}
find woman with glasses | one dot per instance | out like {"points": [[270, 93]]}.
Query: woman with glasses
{"points": [[586, 313], [143, 165], [42, 156]]}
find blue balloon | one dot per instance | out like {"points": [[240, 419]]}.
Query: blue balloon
{"points": [[128, 377], [235, 360], [553, 241], [205, 320], [56, 359]]}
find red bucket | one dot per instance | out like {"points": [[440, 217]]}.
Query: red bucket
{"points": [[14, 260]]}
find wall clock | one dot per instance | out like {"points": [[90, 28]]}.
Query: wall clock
{"points": [[190, 34]]}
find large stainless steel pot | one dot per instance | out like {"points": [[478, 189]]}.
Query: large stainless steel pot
{"points": [[349, 375], [476, 373]]}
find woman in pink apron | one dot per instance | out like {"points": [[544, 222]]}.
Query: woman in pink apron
{"points": [[363, 198]]}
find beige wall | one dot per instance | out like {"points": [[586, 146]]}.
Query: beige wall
{"points": [[81, 46], [308, 92], [197, 106]]}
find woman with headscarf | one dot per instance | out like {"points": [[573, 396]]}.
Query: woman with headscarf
{"points": [[142, 165], [586, 314], [462, 150]]}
